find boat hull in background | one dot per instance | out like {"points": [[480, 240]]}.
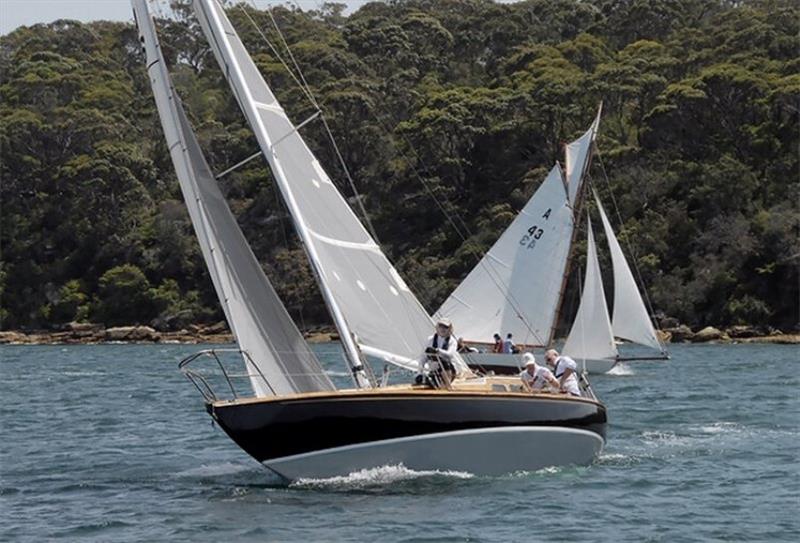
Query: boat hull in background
{"points": [[332, 433], [483, 452], [508, 364]]}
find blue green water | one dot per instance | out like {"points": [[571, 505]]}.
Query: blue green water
{"points": [[111, 443]]}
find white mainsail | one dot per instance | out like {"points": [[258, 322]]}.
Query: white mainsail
{"points": [[591, 336], [371, 305], [515, 286], [630, 318], [258, 319], [577, 154]]}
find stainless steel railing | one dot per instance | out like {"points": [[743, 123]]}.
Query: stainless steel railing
{"points": [[201, 380]]}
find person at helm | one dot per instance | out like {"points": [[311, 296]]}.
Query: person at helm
{"points": [[440, 351]]}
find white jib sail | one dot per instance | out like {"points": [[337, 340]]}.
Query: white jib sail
{"points": [[591, 337], [515, 286], [630, 319], [369, 301], [577, 155], [258, 319]]}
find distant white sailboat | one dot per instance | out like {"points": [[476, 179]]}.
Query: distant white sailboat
{"points": [[518, 286], [295, 421]]}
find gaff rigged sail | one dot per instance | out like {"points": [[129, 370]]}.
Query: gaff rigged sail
{"points": [[515, 286]]}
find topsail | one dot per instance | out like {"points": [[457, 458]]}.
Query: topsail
{"points": [[577, 154]]}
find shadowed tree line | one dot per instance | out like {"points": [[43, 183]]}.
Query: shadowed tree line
{"points": [[448, 114]]}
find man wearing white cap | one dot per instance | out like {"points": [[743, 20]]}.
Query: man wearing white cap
{"points": [[534, 376], [440, 351]]}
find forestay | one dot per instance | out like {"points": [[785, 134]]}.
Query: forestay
{"points": [[366, 295], [515, 286], [630, 319], [591, 337], [577, 155], [257, 318]]}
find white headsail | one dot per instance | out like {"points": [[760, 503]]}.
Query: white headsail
{"points": [[371, 305], [591, 336], [515, 286], [630, 318], [577, 154], [258, 319]]}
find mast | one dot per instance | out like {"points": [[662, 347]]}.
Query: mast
{"points": [[233, 72], [576, 210]]}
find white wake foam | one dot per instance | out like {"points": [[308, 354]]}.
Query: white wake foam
{"points": [[216, 470], [380, 476], [621, 369]]}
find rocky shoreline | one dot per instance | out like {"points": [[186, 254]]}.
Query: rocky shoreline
{"points": [[91, 334]]}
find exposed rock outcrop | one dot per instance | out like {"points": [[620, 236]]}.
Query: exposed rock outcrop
{"points": [[132, 333], [709, 333], [680, 333]]}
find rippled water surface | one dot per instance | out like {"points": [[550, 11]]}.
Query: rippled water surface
{"points": [[111, 443]]}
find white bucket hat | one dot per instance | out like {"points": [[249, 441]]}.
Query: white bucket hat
{"points": [[528, 359]]}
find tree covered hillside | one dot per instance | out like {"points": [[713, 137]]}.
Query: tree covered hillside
{"points": [[448, 114]]}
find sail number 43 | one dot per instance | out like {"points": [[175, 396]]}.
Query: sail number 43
{"points": [[534, 233], [529, 239]]}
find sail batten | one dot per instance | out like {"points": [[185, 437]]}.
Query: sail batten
{"points": [[591, 337], [630, 319], [278, 360], [371, 305]]}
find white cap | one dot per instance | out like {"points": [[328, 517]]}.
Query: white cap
{"points": [[528, 359], [444, 322]]}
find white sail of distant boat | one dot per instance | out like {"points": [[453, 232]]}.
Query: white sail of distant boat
{"points": [[278, 359], [515, 286], [591, 337], [374, 310], [630, 319]]}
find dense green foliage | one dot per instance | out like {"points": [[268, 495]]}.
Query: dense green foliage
{"points": [[454, 105]]}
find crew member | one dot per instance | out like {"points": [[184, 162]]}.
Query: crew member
{"points": [[565, 370], [497, 348], [536, 377], [442, 346]]}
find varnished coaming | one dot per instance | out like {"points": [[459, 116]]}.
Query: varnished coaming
{"points": [[268, 428]]}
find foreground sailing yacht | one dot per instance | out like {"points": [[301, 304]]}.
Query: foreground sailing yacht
{"points": [[292, 418], [518, 286]]}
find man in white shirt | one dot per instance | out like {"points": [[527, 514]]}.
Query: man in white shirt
{"points": [[565, 370], [535, 377], [508, 345]]}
